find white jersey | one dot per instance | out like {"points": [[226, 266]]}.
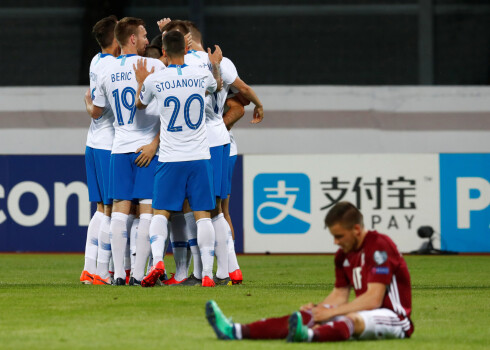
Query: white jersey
{"points": [[117, 87], [101, 132], [180, 92], [217, 132], [233, 147]]}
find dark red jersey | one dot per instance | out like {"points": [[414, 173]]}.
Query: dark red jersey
{"points": [[378, 261]]}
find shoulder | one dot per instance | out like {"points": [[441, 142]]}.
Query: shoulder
{"points": [[379, 246], [226, 62]]}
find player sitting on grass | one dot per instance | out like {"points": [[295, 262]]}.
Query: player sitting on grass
{"points": [[367, 261]]}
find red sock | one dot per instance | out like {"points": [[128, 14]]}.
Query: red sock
{"points": [[270, 328], [334, 331]]}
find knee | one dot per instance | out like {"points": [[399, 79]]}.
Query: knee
{"points": [[357, 321]]}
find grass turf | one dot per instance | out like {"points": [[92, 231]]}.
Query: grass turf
{"points": [[43, 306]]}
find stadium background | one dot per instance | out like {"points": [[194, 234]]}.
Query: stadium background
{"points": [[399, 87]]}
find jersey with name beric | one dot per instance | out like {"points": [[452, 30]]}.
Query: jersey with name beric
{"points": [[133, 128], [377, 261], [101, 132], [180, 92], [217, 132]]}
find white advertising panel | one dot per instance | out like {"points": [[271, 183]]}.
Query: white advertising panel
{"points": [[286, 198]]}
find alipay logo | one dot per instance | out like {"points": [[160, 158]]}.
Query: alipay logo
{"points": [[282, 203], [465, 202]]}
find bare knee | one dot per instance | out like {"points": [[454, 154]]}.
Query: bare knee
{"points": [[357, 321]]}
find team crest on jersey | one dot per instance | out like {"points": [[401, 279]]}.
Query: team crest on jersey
{"points": [[380, 256]]}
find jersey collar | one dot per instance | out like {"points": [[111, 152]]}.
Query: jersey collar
{"points": [[176, 66], [102, 55], [122, 56]]}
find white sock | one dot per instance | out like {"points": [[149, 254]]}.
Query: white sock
{"points": [[205, 240], [142, 249], [104, 252], [192, 239], [178, 238], [127, 253], [132, 240], [222, 230], [158, 235], [232, 260], [119, 237], [91, 245]]}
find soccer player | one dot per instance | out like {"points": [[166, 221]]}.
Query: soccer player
{"points": [[97, 159], [184, 169], [368, 262], [135, 144]]}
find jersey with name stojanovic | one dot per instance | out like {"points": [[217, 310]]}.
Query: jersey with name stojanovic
{"points": [[101, 132], [217, 132], [117, 87], [377, 261], [180, 92]]}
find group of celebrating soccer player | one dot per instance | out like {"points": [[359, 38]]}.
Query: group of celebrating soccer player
{"points": [[160, 156], [159, 161]]}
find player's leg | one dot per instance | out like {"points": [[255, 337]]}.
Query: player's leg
{"points": [[127, 253], [121, 189], [195, 279], [233, 267], [219, 161], [104, 252], [178, 239], [95, 195], [168, 195], [200, 193], [268, 328], [132, 245]]}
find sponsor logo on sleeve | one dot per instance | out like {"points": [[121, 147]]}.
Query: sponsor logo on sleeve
{"points": [[380, 256]]}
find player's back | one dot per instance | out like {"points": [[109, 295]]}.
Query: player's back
{"points": [[133, 128], [101, 131], [180, 92], [217, 132]]}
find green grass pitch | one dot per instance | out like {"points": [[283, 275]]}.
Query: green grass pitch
{"points": [[43, 306]]}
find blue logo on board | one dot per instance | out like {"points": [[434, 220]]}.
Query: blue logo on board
{"points": [[465, 202], [282, 203]]}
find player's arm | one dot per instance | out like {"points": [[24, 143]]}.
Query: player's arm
{"points": [[215, 59], [92, 110], [235, 112], [338, 296], [141, 73], [371, 299], [147, 152], [250, 95]]}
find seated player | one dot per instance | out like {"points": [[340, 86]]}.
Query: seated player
{"points": [[184, 169], [367, 261]]}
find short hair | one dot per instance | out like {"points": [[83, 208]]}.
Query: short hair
{"points": [[176, 24], [127, 27], [195, 32], [173, 43], [153, 51], [157, 41], [103, 31], [344, 213]]}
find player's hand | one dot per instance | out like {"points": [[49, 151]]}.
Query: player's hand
{"points": [[146, 155], [188, 41], [162, 23], [140, 71], [216, 56], [258, 115], [307, 307], [321, 313]]}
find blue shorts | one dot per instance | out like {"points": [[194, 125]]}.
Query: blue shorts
{"points": [[97, 163], [219, 160], [127, 180], [231, 167], [176, 181]]}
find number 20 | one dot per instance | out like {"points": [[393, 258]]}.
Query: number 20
{"points": [[172, 99]]}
